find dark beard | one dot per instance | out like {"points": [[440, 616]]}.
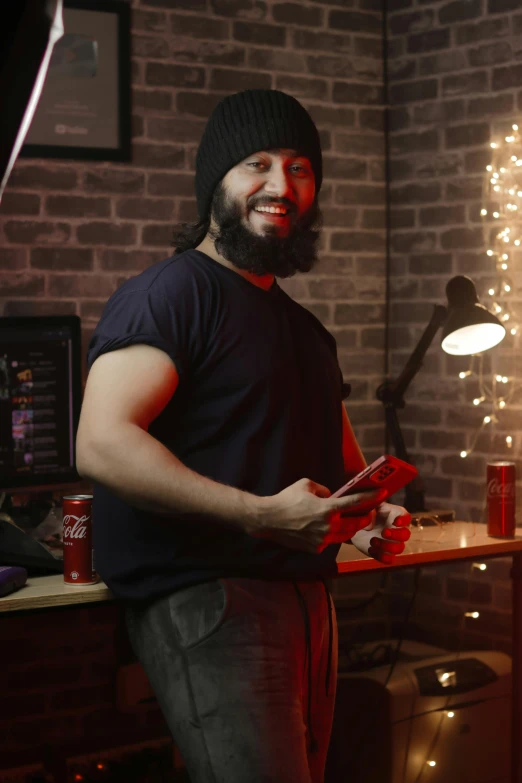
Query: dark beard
{"points": [[267, 253]]}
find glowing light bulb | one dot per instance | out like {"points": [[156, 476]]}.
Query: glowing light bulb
{"points": [[489, 168], [490, 253], [495, 175], [431, 763], [483, 212], [519, 193], [493, 145], [478, 400], [498, 309], [515, 127], [480, 566], [473, 615], [505, 317], [463, 454], [487, 419], [504, 266], [501, 404], [505, 257], [496, 188], [513, 331], [491, 292], [505, 379], [514, 158], [506, 239], [507, 288], [509, 441], [464, 374], [498, 378], [496, 215], [517, 242], [450, 714]]}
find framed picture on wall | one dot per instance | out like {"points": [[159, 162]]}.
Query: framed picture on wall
{"points": [[84, 109]]}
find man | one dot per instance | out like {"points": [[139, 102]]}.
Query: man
{"points": [[214, 430]]}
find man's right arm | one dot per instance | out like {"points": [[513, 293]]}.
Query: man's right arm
{"points": [[126, 390]]}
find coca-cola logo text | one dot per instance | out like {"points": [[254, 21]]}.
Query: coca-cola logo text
{"points": [[75, 527], [498, 489]]}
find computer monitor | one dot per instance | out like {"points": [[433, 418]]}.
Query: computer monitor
{"points": [[40, 400]]}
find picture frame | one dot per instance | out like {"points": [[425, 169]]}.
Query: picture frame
{"points": [[84, 111]]}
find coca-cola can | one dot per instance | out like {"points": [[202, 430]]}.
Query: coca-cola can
{"points": [[78, 554], [501, 499]]}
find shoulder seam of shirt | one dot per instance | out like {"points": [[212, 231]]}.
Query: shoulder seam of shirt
{"points": [[147, 287]]}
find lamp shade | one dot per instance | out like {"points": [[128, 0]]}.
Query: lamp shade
{"points": [[470, 327]]}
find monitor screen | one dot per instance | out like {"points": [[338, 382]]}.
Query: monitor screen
{"points": [[40, 399]]}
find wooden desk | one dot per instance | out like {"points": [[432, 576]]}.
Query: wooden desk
{"points": [[45, 592], [459, 541], [454, 541], [428, 546]]}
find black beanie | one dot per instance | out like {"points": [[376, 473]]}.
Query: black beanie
{"points": [[248, 122]]}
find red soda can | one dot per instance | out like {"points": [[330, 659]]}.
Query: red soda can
{"points": [[501, 499], [78, 554]]}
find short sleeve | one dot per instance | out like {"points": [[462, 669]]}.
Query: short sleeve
{"points": [[346, 389], [167, 319]]}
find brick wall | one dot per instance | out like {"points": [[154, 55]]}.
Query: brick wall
{"points": [[71, 232], [58, 686], [454, 73]]}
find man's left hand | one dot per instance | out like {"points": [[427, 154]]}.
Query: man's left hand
{"points": [[386, 535]]}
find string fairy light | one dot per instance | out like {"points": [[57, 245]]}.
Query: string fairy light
{"points": [[449, 680], [501, 216]]}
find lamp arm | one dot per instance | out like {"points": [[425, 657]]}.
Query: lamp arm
{"points": [[391, 394], [393, 391], [414, 491]]}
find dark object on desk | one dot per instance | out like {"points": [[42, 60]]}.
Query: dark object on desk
{"points": [[468, 328], [19, 549], [12, 578]]}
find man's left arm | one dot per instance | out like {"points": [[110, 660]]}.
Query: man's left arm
{"points": [[387, 533], [353, 457]]}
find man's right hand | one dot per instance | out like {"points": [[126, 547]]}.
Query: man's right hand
{"points": [[304, 516]]}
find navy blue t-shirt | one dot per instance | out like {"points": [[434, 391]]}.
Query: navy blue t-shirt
{"points": [[258, 406]]}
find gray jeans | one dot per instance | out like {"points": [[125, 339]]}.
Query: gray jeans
{"points": [[228, 663]]}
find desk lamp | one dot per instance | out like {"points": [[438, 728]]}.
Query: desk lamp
{"points": [[468, 328]]}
